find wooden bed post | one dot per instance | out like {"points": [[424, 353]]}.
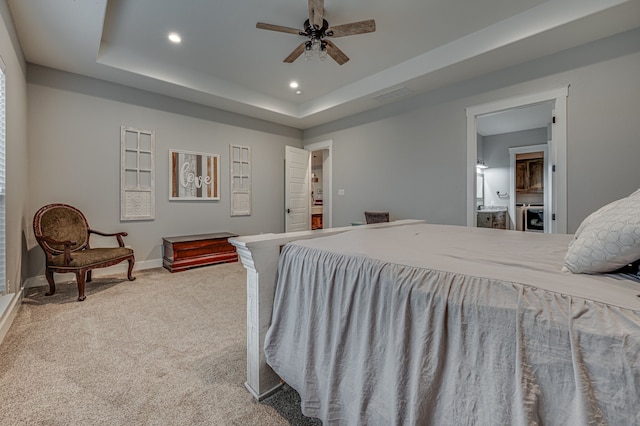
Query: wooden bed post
{"points": [[259, 255]]}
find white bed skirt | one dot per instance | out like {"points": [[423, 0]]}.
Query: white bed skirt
{"points": [[365, 340]]}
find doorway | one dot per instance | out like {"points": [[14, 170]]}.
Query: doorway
{"points": [[512, 147], [530, 184], [317, 191], [299, 184], [321, 184], [556, 202]]}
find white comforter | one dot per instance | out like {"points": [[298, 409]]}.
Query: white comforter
{"points": [[445, 325]]}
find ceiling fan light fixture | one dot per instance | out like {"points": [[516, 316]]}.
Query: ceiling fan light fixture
{"points": [[322, 54], [174, 38], [308, 50]]}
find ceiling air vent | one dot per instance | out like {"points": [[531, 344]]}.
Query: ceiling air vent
{"points": [[394, 95]]}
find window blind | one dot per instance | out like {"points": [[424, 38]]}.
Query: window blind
{"points": [[3, 133]]}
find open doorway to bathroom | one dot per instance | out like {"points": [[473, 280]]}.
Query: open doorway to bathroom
{"points": [[490, 150], [510, 184], [321, 184], [530, 177], [317, 190]]}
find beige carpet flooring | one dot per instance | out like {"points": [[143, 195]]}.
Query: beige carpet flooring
{"points": [[165, 349]]}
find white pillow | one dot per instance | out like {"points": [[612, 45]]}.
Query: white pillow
{"points": [[607, 239]]}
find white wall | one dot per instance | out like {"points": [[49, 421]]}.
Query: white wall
{"points": [[410, 157], [74, 158]]}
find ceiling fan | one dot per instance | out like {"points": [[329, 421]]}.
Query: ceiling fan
{"points": [[316, 28]]}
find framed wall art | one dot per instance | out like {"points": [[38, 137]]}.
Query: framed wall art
{"points": [[137, 174], [240, 170], [193, 175]]}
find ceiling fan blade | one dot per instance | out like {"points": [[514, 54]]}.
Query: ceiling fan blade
{"points": [[337, 54], [279, 28], [316, 12], [296, 53], [353, 28]]}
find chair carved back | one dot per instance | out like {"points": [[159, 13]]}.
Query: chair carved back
{"points": [[376, 217], [61, 222]]}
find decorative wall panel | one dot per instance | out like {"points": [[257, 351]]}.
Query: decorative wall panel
{"points": [[240, 170], [137, 175]]}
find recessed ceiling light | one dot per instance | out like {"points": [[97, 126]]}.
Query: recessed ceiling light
{"points": [[298, 92], [175, 37], [293, 84]]}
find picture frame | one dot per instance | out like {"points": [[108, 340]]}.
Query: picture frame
{"points": [[194, 175]]}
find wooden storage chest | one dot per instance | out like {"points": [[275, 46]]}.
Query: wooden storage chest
{"points": [[186, 252]]}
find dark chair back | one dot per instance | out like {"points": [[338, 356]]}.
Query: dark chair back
{"points": [[60, 222], [376, 217]]}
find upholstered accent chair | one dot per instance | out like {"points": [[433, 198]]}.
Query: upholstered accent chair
{"points": [[63, 233], [376, 217]]}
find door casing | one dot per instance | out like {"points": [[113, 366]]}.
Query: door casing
{"points": [[557, 150]]}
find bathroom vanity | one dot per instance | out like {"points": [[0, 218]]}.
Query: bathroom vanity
{"points": [[497, 218]]}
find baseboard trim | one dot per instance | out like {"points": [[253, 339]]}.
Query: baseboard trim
{"points": [[9, 305], [121, 268]]}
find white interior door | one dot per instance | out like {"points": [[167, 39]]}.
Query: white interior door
{"points": [[297, 197]]}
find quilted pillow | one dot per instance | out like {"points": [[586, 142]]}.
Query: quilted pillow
{"points": [[607, 239]]}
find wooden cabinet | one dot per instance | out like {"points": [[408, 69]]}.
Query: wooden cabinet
{"points": [[186, 252], [316, 221], [521, 172], [492, 219], [530, 175]]}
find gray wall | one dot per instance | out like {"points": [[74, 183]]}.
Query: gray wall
{"points": [[410, 157], [74, 158], [17, 217], [397, 164]]}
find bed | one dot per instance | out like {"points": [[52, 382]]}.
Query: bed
{"points": [[447, 325], [259, 255]]}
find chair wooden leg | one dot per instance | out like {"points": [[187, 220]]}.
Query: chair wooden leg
{"points": [[80, 278], [131, 262], [89, 276], [52, 285]]}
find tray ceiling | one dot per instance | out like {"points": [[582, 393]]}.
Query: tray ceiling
{"points": [[225, 62]]}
